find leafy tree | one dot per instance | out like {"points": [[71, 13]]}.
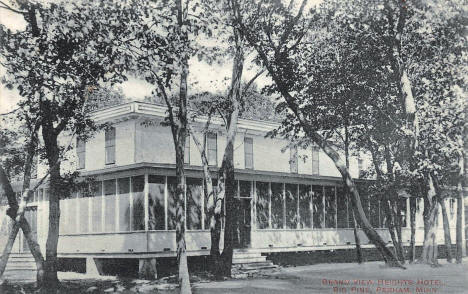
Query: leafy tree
{"points": [[279, 34], [66, 50]]}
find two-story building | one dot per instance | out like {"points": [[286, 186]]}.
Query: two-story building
{"points": [[289, 199]]}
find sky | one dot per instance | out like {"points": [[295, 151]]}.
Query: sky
{"points": [[202, 76]]}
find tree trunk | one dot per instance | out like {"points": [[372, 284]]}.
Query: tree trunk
{"points": [[230, 215], [398, 223], [447, 237], [179, 142], [412, 250], [228, 159], [357, 241], [460, 224], [55, 192], [429, 254], [184, 278], [460, 197], [390, 225]]}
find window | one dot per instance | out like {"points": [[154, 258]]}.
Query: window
{"points": [[360, 164], [248, 152], [293, 159], [110, 145], [187, 150], [81, 153], [315, 160], [212, 149]]}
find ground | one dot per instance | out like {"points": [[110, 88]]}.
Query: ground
{"points": [[371, 277]]}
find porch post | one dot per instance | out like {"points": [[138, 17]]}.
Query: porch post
{"points": [[165, 202], [146, 202], [269, 205]]}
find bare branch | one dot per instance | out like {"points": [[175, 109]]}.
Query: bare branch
{"points": [[7, 7], [253, 79]]}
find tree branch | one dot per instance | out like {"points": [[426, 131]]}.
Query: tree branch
{"points": [[7, 7]]}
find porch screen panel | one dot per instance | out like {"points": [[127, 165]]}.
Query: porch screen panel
{"points": [[419, 213], [403, 212], [277, 206], [364, 195], [63, 220], [262, 206], [245, 189], [96, 208], [342, 208], [291, 206], [138, 213], [317, 205], [171, 203], [194, 204], [83, 200], [71, 215], [156, 203], [305, 207], [364, 202], [109, 215], [208, 213], [330, 207], [124, 204], [374, 211], [383, 219]]}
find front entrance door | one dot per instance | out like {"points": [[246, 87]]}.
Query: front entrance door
{"points": [[242, 238], [30, 214]]}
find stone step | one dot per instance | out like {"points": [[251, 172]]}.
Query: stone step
{"points": [[241, 260], [246, 254], [256, 266]]}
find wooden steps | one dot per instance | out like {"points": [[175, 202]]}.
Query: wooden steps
{"points": [[245, 260], [21, 261]]}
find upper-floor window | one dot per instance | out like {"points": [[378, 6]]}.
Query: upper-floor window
{"points": [[187, 150], [81, 153], [360, 163], [110, 145], [212, 148], [293, 159], [248, 152], [315, 160]]}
